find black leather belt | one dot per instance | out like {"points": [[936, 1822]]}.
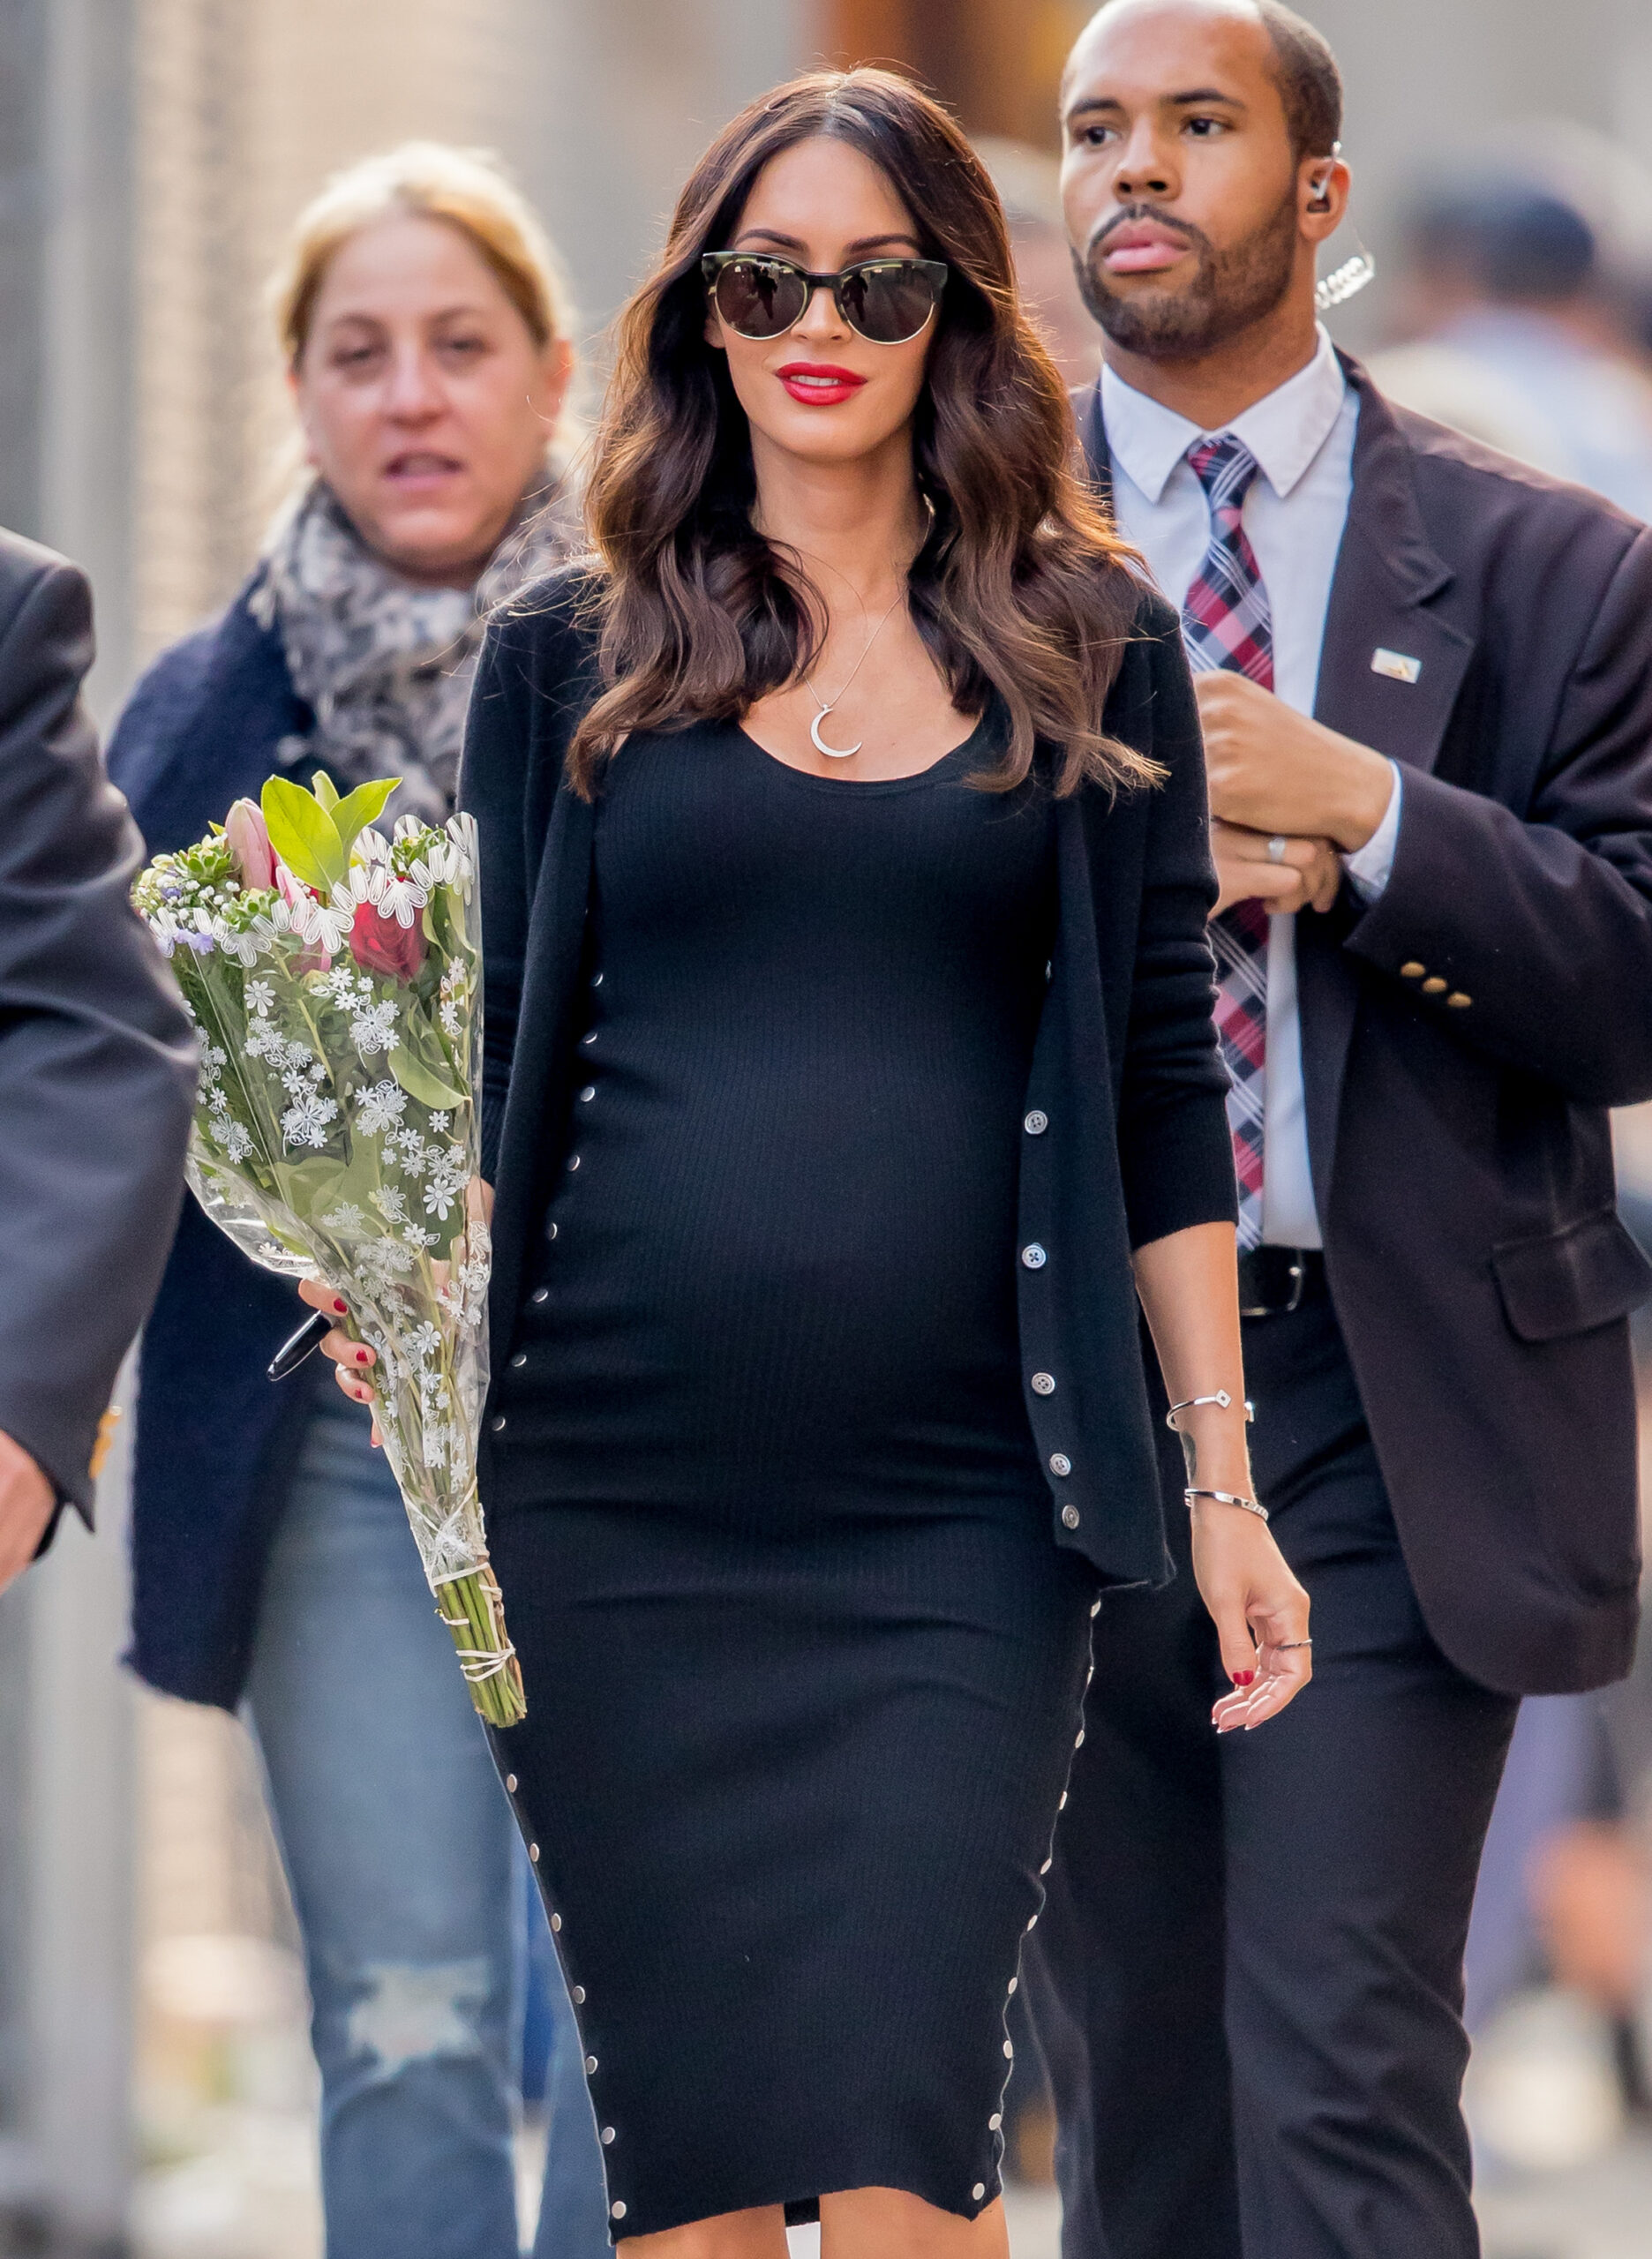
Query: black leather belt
{"points": [[1275, 1280]]}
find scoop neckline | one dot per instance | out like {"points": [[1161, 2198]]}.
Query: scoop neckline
{"points": [[865, 785]]}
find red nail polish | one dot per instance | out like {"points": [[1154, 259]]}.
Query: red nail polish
{"points": [[342, 1307], [1243, 1677], [361, 1356]]}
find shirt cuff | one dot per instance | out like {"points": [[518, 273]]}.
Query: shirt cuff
{"points": [[1370, 866]]}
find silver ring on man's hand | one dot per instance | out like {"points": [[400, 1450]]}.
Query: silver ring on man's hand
{"points": [[1276, 847], [1284, 1647]]}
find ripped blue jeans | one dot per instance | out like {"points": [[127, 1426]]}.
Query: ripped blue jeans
{"points": [[405, 1868]]}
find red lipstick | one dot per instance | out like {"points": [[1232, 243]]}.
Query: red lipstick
{"points": [[820, 384]]}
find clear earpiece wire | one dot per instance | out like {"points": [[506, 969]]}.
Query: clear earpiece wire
{"points": [[1345, 281], [1348, 281]]}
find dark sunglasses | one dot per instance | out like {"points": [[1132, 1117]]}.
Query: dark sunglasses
{"points": [[886, 301]]}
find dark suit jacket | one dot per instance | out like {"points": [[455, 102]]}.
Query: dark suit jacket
{"points": [[97, 1065], [212, 1465], [1133, 1140], [1463, 1038]]}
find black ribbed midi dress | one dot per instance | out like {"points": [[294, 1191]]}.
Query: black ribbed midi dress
{"points": [[804, 1663]]}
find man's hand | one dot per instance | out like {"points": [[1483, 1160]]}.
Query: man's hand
{"points": [[26, 1500], [1307, 876], [1271, 769]]}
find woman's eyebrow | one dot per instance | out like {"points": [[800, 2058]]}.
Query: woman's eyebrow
{"points": [[860, 248]]}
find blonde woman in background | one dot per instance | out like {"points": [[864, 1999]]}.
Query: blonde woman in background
{"points": [[425, 334]]}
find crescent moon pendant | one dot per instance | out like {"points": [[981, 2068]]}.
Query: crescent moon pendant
{"points": [[831, 751]]}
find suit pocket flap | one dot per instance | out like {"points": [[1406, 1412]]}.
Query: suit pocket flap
{"points": [[1582, 1276]]}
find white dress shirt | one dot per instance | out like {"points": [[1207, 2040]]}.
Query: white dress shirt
{"points": [[1302, 436]]}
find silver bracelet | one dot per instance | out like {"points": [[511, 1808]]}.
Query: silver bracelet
{"points": [[1228, 1498], [1193, 1403]]}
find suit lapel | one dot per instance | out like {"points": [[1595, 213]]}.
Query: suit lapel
{"points": [[551, 970], [1388, 572], [1382, 610]]}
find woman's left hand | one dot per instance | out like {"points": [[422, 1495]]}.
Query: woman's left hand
{"points": [[1260, 1610]]}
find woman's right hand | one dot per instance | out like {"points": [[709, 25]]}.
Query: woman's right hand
{"points": [[353, 1359]]}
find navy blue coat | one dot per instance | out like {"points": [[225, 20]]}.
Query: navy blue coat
{"points": [[215, 1441]]}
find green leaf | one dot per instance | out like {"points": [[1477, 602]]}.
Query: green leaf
{"points": [[324, 790], [303, 833], [419, 1082], [361, 806]]}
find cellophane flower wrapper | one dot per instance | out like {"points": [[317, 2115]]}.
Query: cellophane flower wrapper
{"points": [[337, 1130]]}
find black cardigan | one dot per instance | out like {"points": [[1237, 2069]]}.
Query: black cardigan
{"points": [[1127, 1136]]}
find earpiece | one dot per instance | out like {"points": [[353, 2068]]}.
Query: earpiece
{"points": [[1320, 200]]}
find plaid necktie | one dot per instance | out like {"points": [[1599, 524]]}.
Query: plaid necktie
{"points": [[1227, 622]]}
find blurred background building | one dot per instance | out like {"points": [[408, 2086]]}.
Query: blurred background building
{"points": [[153, 2080]]}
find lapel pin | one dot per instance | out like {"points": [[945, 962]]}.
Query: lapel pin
{"points": [[1396, 665]]}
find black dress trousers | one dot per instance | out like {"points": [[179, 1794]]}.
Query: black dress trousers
{"points": [[1248, 1979]]}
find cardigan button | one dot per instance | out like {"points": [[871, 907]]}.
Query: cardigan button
{"points": [[519, 1361], [540, 1294], [588, 1093], [1412, 970], [1457, 1001], [1033, 1257], [577, 1995], [551, 1231], [1070, 1517], [1036, 1122], [510, 1783], [1043, 1384], [1434, 986], [1059, 1463], [498, 1425]]}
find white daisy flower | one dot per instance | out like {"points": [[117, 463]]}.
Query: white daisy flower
{"points": [[379, 1109], [373, 1028], [306, 1123]]}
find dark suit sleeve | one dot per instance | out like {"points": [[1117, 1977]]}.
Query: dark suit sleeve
{"points": [[97, 1066], [1175, 1152], [492, 788], [1541, 928]]}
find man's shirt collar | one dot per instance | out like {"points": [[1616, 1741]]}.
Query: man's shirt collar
{"points": [[1284, 432]]}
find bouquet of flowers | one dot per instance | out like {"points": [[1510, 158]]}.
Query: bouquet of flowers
{"points": [[334, 978]]}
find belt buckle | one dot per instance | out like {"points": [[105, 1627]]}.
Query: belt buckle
{"points": [[1297, 1273]]}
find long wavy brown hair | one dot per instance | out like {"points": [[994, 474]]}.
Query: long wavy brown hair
{"points": [[1021, 590]]}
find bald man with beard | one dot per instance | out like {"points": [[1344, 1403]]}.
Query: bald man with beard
{"points": [[1423, 676]]}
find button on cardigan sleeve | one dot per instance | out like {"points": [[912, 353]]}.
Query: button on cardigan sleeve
{"points": [[1175, 1154]]}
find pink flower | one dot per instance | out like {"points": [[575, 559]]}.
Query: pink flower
{"points": [[378, 944], [249, 842], [299, 897]]}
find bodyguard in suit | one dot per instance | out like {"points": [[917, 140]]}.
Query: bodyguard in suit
{"points": [[97, 1066], [1425, 677]]}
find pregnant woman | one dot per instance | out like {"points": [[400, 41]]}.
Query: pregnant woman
{"points": [[845, 882]]}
